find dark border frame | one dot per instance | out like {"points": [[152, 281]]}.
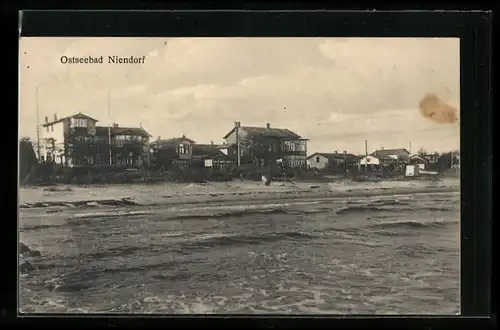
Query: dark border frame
{"points": [[474, 30]]}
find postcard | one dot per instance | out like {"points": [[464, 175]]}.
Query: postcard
{"points": [[239, 175]]}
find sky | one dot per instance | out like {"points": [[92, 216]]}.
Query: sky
{"points": [[337, 92]]}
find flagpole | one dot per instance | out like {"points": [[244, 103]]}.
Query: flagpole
{"points": [[37, 125], [109, 130]]}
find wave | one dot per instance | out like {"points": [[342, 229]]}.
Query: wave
{"points": [[416, 250], [244, 212], [381, 202], [86, 219], [222, 240], [233, 214], [87, 203], [377, 208], [396, 224]]}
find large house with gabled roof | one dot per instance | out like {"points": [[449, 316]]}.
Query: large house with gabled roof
{"points": [[266, 144], [76, 140]]}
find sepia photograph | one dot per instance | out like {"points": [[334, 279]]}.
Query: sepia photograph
{"points": [[239, 176]]}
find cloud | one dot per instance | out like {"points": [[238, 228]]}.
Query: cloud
{"points": [[338, 88]]}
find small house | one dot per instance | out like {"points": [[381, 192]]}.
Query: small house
{"points": [[173, 152], [210, 155], [418, 161], [371, 162], [335, 160], [396, 154]]}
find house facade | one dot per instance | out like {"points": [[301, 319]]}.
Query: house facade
{"points": [[371, 162], [77, 141], [266, 145], [173, 152], [335, 160], [211, 156], [129, 146]]}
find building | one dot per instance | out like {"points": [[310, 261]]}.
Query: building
{"points": [[372, 162], [418, 160], [130, 146], [431, 158], [76, 140], [266, 145], [173, 152], [396, 154], [210, 155], [335, 160]]}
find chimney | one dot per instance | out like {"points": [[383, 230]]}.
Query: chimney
{"points": [[55, 117], [115, 125], [335, 152], [345, 152], [159, 138], [268, 125], [212, 142], [46, 120], [237, 124], [183, 136]]}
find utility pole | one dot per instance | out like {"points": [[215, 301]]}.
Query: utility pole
{"points": [[237, 132], [37, 125], [109, 131], [345, 161], [366, 155]]}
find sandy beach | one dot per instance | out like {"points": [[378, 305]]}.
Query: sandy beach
{"points": [[168, 194]]}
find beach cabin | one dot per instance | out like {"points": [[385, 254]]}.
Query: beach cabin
{"points": [[412, 170]]}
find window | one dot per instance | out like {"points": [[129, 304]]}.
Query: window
{"points": [[78, 122], [289, 146], [301, 146], [317, 159], [183, 149]]}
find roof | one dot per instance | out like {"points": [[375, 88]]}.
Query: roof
{"points": [[207, 150], [225, 145], [136, 131], [387, 152], [173, 141], [282, 133], [332, 156], [380, 157], [78, 115]]}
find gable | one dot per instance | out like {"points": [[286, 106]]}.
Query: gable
{"points": [[76, 116]]}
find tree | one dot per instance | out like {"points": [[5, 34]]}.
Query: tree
{"points": [[77, 148], [421, 152], [261, 149], [445, 161]]}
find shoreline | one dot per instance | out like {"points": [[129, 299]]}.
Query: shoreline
{"points": [[236, 196]]}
